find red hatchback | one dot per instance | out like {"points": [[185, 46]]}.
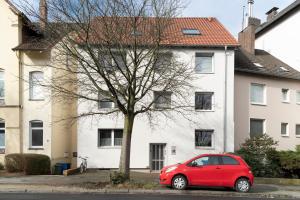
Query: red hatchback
{"points": [[217, 170]]}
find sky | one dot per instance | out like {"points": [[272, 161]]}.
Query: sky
{"points": [[229, 12]]}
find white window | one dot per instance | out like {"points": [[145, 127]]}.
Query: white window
{"points": [[284, 129], [113, 61], [162, 100], [2, 84], [110, 137], [204, 138], [204, 63], [258, 94], [2, 134], [285, 94], [298, 97], [105, 102], [257, 127], [36, 134], [35, 86], [298, 130], [204, 101]]}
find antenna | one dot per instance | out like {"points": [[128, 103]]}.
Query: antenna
{"points": [[243, 22], [250, 7]]}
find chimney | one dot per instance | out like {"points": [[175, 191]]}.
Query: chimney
{"points": [[271, 13], [247, 36], [43, 15]]}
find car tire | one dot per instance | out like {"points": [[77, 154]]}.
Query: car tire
{"points": [[179, 182], [242, 185]]}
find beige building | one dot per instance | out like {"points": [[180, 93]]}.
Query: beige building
{"points": [[267, 94], [30, 118]]}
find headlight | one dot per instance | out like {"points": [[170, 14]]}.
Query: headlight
{"points": [[171, 169]]}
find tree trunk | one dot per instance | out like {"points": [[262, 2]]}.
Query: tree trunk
{"points": [[126, 145]]}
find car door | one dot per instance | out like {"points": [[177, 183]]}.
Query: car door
{"points": [[229, 170], [203, 171]]}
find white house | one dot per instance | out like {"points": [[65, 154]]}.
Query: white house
{"points": [[211, 53], [279, 35]]}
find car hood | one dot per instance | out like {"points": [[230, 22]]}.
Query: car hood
{"points": [[166, 167]]}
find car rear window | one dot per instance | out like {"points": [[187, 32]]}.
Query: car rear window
{"points": [[227, 160]]}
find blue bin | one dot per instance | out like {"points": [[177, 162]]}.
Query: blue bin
{"points": [[60, 167]]}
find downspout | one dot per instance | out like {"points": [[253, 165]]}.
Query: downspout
{"points": [[21, 99], [225, 102]]}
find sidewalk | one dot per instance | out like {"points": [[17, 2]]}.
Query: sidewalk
{"points": [[81, 184]]}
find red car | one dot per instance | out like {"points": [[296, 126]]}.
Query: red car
{"points": [[217, 170]]}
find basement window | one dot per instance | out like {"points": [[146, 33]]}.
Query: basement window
{"points": [[188, 31]]}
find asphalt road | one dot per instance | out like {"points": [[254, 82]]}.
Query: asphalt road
{"points": [[29, 196]]}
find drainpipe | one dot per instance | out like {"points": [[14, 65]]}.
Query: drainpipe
{"points": [[225, 102]]}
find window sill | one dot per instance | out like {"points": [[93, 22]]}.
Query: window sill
{"points": [[110, 147], [286, 102], [297, 136], [258, 104], [35, 148], [285, 136], [204, 73], [205, 148], [205, 110], [36, 99]]}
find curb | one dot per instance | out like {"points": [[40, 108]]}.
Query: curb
{"points": [[77, 190]]}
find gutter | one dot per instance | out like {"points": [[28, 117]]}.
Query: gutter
{"points": [[225, 101]]}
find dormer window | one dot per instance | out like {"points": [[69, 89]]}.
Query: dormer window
{"points": [[190, 31]]}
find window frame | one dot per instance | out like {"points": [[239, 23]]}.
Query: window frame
{"points": [[212, 101], [112, 137], [205, 55], [264, 103], [3, 79], [212, 139], [288, 95], [102, 98], [297, 135], [264, 125], [30, 134], [31, 86], [287, 129], [2, 121], [190, 164]]}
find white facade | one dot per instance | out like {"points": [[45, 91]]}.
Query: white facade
{"points": [[178, 134], [283, 40]]}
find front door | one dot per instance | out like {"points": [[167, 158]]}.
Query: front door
{"points": [[157, 156]]}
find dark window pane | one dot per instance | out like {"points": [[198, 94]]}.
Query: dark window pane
{"points": [[229, 161], [256, 127], [105, 103], [162, 99], [2, 125], [118, 135], [203, 138], [213, 160], [37, 137], [105, 137], [163, 61], [2, 139], [36, 124], [203, 63], [298, 130], [203, 100], [120, 61]]}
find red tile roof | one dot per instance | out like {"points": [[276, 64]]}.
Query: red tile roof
{"points": [[213, 33]]}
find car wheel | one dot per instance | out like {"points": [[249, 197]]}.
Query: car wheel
{"points": [[179, 182], [242, 185]]}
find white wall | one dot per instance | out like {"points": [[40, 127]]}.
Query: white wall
{"points": [[283, 41], [178, 132]]}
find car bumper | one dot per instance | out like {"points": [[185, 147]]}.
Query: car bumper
{"points": [[165, 178]]}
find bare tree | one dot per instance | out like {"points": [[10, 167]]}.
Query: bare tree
{"points": [[117, 51]]}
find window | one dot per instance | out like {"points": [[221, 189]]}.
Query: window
{"points": [[2, 134], [298, 130], [257, 127], [110, 137], [204, 63], [162, 100], [284, 129], [163, 61], [257, 94], [227, 160], [36, 134], [2, 84], [104, 102], [206, 160], [190, 31], [298, 97], [35, 87], [203, 138], [204, 100], [116, 61], [285, 95]]}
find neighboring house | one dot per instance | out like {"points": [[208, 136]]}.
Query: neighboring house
{"points": [[30, 117], [267, 94], [279, 35], [208, 48]]}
